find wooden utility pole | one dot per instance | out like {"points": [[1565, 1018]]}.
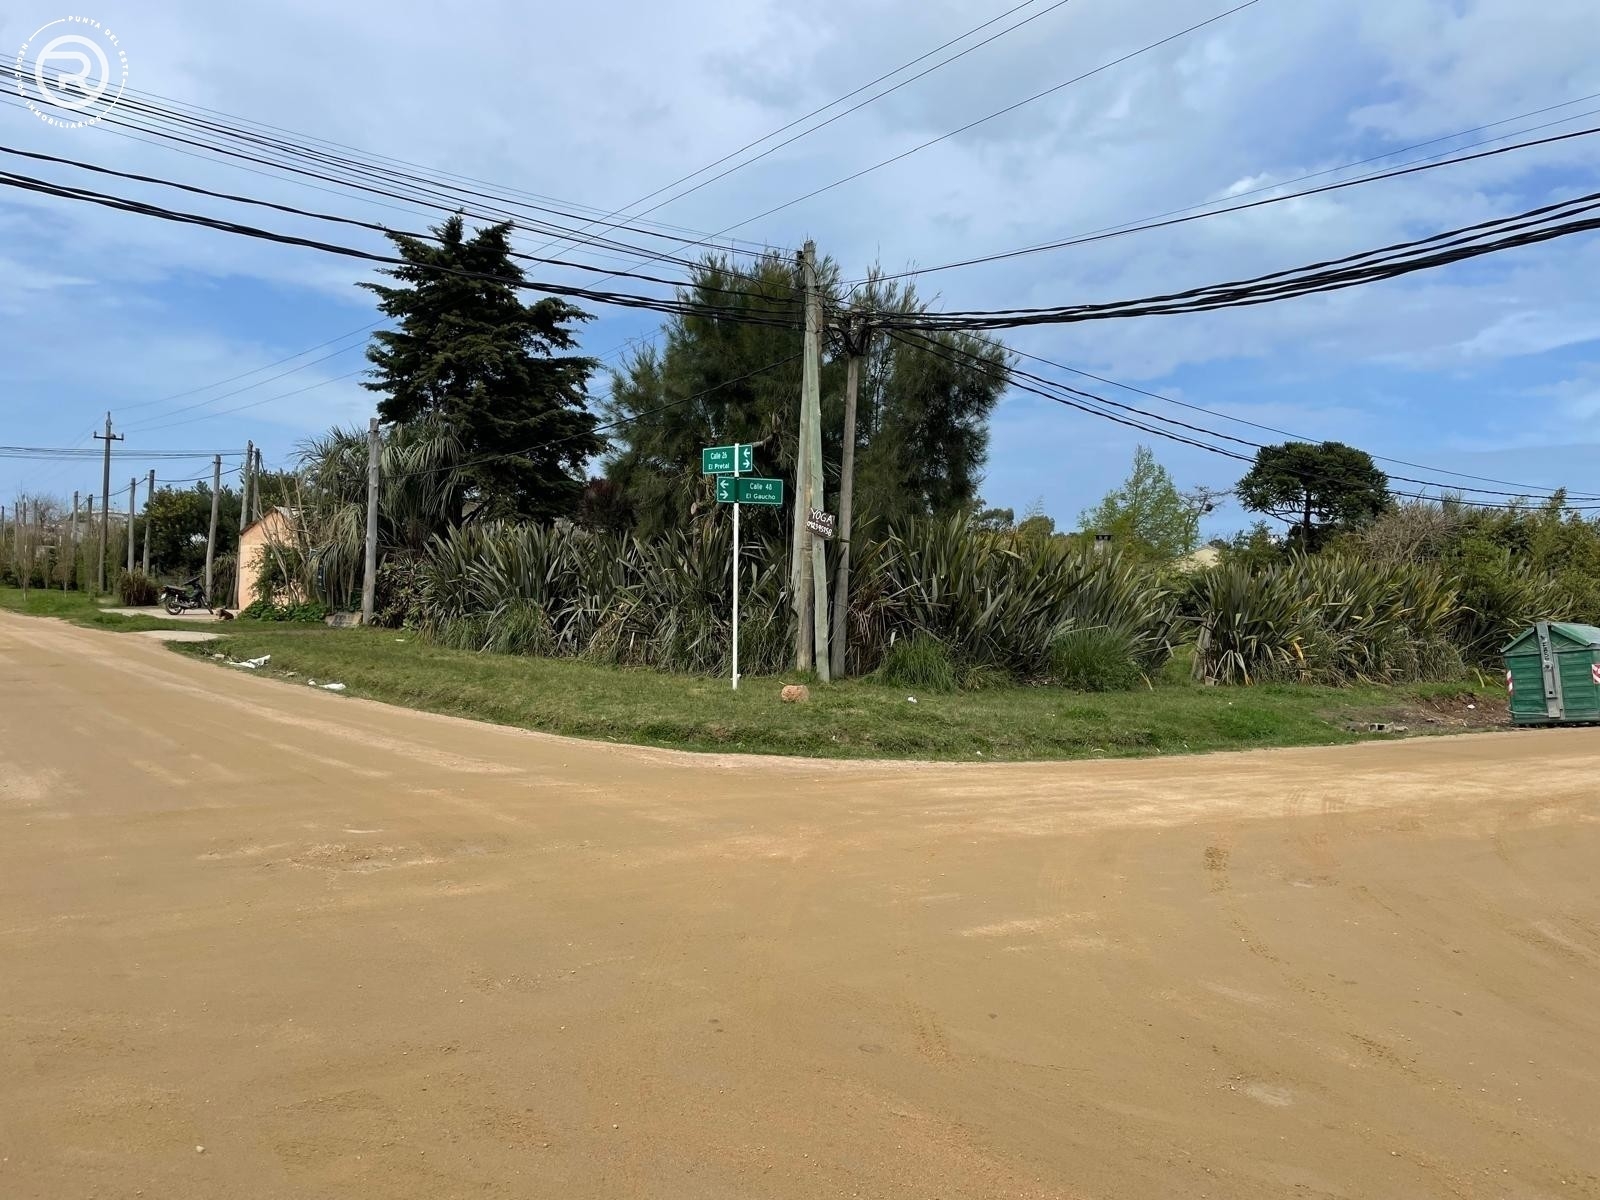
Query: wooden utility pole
{"points": [[800, 546], [856, 336], [105, 504], [369, 576], [255, 492], [133, 500], [149, 495], [211, 535], [816, 489], [244, 500], [74, 572], [24, 545], [810, 574]]}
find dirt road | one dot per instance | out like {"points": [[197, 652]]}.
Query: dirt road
{"points": [[352, 951]]}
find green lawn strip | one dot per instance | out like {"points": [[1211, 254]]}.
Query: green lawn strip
{"points": [[77, 607], [854, 719]]}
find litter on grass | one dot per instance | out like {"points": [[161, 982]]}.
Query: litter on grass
{"points": [[251, 664], [327, 687]]}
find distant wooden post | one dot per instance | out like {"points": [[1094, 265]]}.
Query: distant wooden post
{"points": [[133, 501], [73, 573], [24, 569], [149, 495], [211, 536]]}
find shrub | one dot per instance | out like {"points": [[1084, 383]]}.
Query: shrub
{"points": [[308, 613], [1094, 659], [398, 592], [922, 662], [999, 600], [138, 589]]}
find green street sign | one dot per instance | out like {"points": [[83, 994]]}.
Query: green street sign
{"points": [[749, 491], [718, 460]]}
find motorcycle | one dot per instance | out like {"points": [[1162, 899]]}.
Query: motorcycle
{"points": [[179, 600]]}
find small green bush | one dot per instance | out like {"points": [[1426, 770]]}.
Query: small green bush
{"points": [[920, 661], [308, 612], [1094, 660], [138, 589], [399, 593]]}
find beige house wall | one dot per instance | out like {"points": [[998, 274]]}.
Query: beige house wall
{"points": [[253, 543]]}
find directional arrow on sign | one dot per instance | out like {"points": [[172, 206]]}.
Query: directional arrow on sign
{"points": [[745, 490]]}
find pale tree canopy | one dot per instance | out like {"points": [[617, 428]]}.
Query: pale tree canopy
{"points": [[1147, 514]]}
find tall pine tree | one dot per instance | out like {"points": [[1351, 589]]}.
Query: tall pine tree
{"points": [[489, 370]]}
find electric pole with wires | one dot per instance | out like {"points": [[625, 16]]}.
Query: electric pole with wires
{"points": [[105, 504], [799, 544], [808, 565]]}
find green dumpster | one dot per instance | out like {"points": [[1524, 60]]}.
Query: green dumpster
{"points": [[1553, 674]]}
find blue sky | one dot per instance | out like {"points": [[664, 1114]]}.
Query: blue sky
{"points": [[1490, 367]]}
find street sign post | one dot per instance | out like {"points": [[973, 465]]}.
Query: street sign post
{"points": [[732, 489], [820, 523], [727, 463], [736, 459]]}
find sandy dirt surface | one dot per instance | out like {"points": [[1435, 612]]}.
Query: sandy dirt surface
{"points": [[353, 951]]}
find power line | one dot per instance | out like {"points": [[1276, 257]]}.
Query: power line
{"points": [[974, 124], [90, 454], [333, 218], [1076, 400], [1433, 163], [1402, 258], [620, 299], [1212, 433], [366, 190], [254, 370], [226, 412], [364, 164], [817, 111], [1529, 488], [450, 204], [146, 426]]}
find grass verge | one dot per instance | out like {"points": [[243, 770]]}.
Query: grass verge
{"points": [[854, 719], [77, 607]]}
